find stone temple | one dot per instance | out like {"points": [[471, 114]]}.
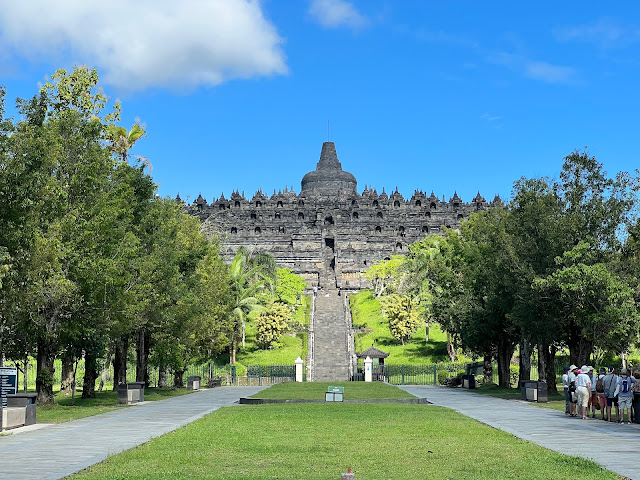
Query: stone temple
{"points": [[329, 233]]}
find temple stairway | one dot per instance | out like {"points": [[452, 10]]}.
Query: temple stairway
{"points": [[330, 359]]}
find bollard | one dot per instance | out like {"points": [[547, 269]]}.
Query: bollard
{"points": [[348, 475]]}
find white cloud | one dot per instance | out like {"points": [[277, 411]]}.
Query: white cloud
{"points": [[535, 69], [605, 33], [336, 13], [147, 43]]}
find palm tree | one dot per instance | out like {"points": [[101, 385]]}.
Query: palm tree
{"points": [[251, 274], [121, 141]]}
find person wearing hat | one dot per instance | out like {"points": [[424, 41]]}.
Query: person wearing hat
{"points": [[567, 396], [602, 399], [593, 396], [573, 398], [625, 394], [583, 384], [610, 382]]}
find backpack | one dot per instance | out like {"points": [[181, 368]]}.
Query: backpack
{"points": [[625, 384], [600, 385], [572, 387]]}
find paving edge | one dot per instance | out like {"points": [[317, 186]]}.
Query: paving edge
{"points": [[263, 401]]}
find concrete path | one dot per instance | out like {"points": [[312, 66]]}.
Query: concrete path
{"points": [[59, 450], [615, 447]]}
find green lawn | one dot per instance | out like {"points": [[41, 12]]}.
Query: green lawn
{"points": [[556, 400], [352, 391], [105, 401], [320, 441]]}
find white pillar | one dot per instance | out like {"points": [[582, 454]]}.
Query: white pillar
{"points": [[368, 370], [299, 363]]}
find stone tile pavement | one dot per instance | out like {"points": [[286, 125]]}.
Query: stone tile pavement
{"points": [[615, 447], [55, 451]]}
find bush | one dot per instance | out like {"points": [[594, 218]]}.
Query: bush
{"points": [[443, 375]]}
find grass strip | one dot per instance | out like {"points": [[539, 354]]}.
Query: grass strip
{"points": [[320, 441], [64, 411], [316, 390]]}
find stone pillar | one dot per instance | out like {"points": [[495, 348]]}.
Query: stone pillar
{"points": [[298, 363], [368, 369]]}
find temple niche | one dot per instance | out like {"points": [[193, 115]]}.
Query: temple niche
{"points": [[329, 233]]}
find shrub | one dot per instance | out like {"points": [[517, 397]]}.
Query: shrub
{"points": [[443, 375]]}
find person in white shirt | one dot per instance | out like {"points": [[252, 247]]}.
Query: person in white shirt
{"points": [[573, 372], [583, 384], [565, 386]]}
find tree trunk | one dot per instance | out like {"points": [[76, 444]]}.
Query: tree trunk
{"points": [[243, 333], [525, 360], [120, 361], [542, 361], [177, 379], [44, 372], [550, 353], [162, 377], [487, 369], [580, 349], [90, 375], [426, 331], [451, 350], [25, 379], [142, 357], [105, 370], [504, 354], [68, 361]]}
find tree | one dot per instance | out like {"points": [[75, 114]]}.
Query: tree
{"points": [[384, 274], [402, 313], [250, 275], [271, 324], [289, 286]]}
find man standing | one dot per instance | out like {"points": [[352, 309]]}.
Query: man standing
{"points": [[572, 390], [567, 396], [583, 382], [610, 383], [624, 393]]}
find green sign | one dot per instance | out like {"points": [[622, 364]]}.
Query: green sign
{"points": [[335, 389]]}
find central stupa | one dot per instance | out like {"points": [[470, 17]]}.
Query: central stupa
{"points": [[328, 178]]}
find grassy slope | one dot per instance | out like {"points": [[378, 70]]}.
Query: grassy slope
{"points": [[319, 441], [315, 390], [367, 315], [105, 401], [291, 346]]}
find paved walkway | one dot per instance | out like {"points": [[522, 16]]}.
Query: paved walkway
{"points": [[615, 447], [58, 450]]}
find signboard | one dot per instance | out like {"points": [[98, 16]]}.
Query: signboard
{"points": [[8, 383], [335, 389]]}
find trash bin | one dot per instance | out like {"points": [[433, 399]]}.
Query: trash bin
{"points": [[636, 407], [533, 391], [131, 392], [26, 400], [193, 382], [469, 381]]}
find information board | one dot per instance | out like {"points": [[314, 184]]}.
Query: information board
{"points": [[8, 383], [333, 389]]}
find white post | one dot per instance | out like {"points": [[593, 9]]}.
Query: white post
{"points": [[368, 373], [299, 363]]}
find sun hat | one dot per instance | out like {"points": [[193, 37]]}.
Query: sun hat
{"points": [[590, 368], [565, 369], [603, 370], [584, 369], [572, 367], [624, 371]]}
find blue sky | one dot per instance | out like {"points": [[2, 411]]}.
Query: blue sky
{"points": [[451, 96]]}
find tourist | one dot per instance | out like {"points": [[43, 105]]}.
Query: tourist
{"points": [[636, 391], [583, 384], [567, 396], [602, 398], [624, 393], [610, 382], [593, 396], [573, 396]]}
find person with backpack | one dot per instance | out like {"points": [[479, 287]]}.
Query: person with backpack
{"points": [[610, 382], [625, 394], [593, 396], [602, 399], [583, 384], [573, 396]]}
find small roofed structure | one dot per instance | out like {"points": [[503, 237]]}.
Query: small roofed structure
{"points": [[376, 355]]}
